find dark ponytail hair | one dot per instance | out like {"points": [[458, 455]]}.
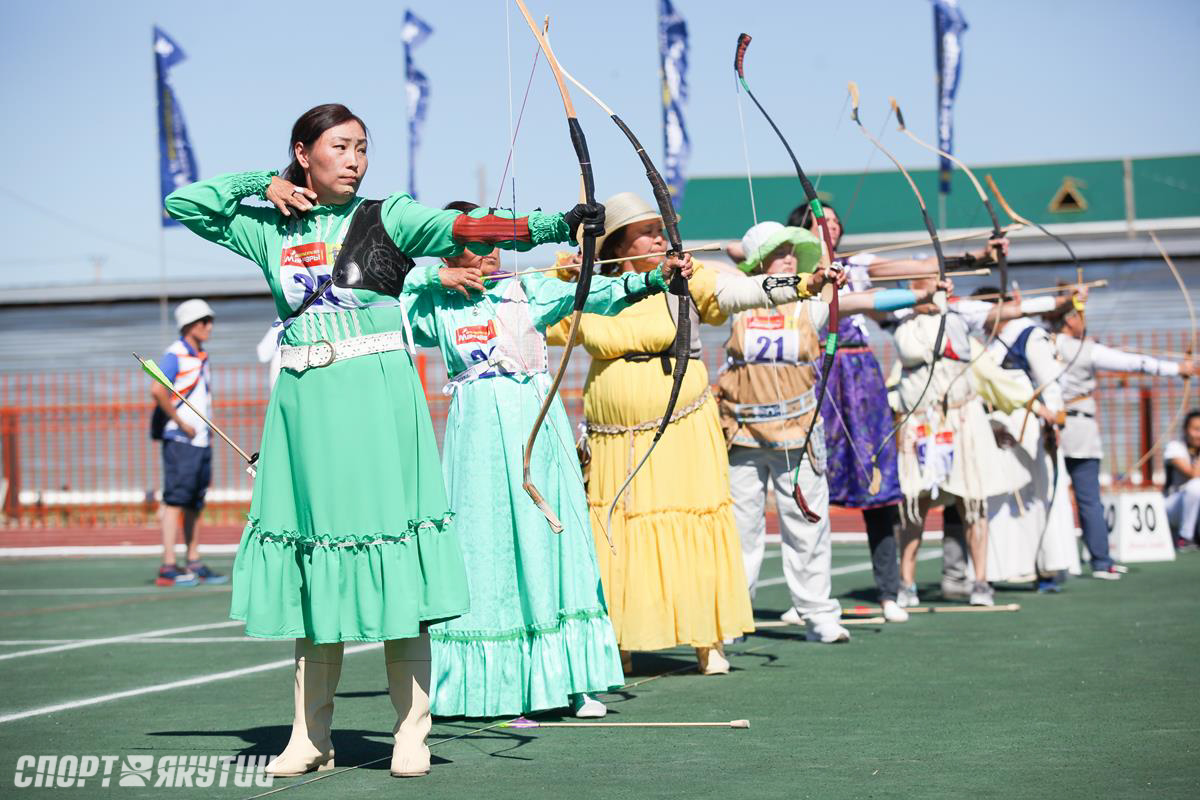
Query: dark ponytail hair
{"points": [[308, 129], [801, 216]]}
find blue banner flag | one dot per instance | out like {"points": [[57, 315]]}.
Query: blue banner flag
{"points": [[948, 27], [673, 55], [416, 90], [176, 163]]}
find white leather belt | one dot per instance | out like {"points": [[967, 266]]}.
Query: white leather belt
{"points": [[323, 353]]}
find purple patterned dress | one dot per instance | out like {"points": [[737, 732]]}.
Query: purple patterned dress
{"points": [[857, 418]]}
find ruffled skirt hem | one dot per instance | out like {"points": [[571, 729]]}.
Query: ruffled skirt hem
{"points": [[506, 673], [365, 589]]}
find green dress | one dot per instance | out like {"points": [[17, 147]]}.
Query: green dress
{"points": [[350, 536], [538, 630]]}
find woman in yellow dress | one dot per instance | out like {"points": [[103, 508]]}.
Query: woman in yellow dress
{"points": [[676, 577]]}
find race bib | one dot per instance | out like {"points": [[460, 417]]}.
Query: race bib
{"points": [[304, 267], [935, 453], [477, 344], [769, 340]]}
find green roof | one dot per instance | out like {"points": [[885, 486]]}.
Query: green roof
{"points": [[881, 202]]}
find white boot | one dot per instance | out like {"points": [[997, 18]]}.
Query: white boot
{"points": [[408, 686], [712, 661], [318, 668]]}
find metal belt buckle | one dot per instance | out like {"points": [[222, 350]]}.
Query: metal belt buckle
{"points": [[308, 362]]}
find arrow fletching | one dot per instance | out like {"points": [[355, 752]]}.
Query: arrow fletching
{"points": [[151, 369]]}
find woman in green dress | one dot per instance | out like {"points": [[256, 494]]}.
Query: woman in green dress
{"points": [[350, 536], [538, 634]]}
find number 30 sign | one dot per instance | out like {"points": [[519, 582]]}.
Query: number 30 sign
{"points": [[1137, 526]]}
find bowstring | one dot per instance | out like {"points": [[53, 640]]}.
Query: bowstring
{"points": [[511, 161]]}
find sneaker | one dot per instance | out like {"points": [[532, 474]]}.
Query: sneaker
{"points": [[955, 590], [892, 612], [1048, 586], [826, 633], [171, 575], [1183, 544], [1110, 574], [205, 574], [587, 707], [982, 594], [792, 617], [907, 597]]}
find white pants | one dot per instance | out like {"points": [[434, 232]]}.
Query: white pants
{"points": [[807, 551], [1183, 510]]}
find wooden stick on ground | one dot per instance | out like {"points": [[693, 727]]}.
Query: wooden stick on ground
{"points": [[932, 609], [778, 623], [522, 722]]}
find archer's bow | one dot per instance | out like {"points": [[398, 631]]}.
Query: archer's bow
{"points": [[678, 286], [1187, 385], [997, 231], [818, 213], [939, 296], [588, 189], [1015, 217]]}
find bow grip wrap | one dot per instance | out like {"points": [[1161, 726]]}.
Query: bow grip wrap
{"points": [[589, 192]]}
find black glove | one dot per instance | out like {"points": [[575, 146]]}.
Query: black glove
{"points": [[591, 215]]}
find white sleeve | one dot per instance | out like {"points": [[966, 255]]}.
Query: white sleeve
{"points": [[743, 292], [1113, 360], [818, 313], [974, 313], [1045, 368], [1176, 449], [1039, 305]]}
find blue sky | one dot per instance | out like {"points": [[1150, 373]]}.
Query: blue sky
{"points": [[1041, 81]]}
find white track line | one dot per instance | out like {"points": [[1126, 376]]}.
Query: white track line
{"points": [[861, 566], [199, 680], [113, 590], [162, 640], [76, 645], [106, 550]]}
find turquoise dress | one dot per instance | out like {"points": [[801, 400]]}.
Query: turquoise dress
{"points": [[538, 630], [350, 535]]}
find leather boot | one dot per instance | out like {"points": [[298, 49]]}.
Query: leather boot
{"points": [[711, 660], [408, 686], [318, 668]]}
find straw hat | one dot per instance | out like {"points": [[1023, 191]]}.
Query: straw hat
{"points": [[624, 209], [189, 311], [765, 237]]}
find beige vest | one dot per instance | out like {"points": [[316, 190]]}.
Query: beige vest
{"points": [[766, 389]]}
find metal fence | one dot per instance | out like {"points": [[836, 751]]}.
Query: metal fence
{"points": [[75, 446]]}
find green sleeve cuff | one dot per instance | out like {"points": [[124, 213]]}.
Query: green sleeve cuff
{"points": [[656, 278], [246, 184], [548, 228]]}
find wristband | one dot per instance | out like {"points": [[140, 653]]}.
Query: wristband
{"points": [[894, 299]]}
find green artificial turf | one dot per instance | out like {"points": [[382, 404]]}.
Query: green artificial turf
{"points": [[1091, 693]]}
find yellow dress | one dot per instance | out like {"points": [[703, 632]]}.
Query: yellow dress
{"points": [[677, 576]]}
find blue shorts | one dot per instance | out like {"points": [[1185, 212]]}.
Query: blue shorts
{"points": [[187, 472]]}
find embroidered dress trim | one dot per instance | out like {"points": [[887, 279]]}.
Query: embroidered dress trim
{"points": [[652, 424], [415, 527]]}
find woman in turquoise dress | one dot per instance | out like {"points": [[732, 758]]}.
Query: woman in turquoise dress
{"points": [[538, 634], [350, 535]]}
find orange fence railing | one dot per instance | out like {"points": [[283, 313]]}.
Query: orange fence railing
{"points": [[75, 446]]}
